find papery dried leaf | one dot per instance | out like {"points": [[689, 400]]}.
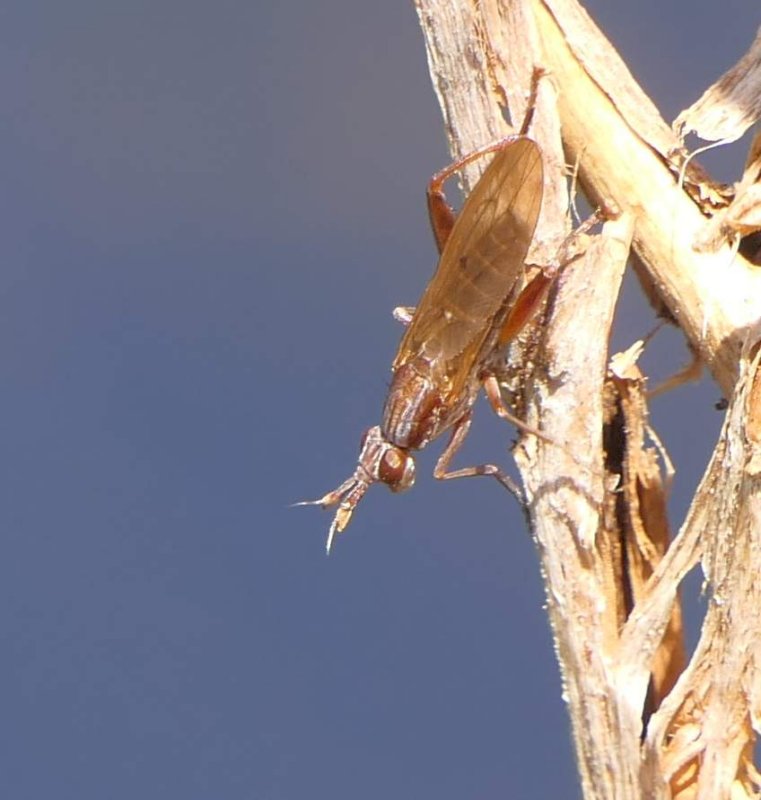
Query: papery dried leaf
{"points": [[731, 105], [752, 170], [719, 693], [642, 514]]}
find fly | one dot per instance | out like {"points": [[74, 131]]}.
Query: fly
{"points": [[476, 302]]}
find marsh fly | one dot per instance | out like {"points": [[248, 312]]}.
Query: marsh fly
{"points": [[476, 302]]}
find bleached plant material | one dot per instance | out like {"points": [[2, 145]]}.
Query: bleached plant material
{"points": [[731, 105], [743, 214], [644, 723], [700, 740]]}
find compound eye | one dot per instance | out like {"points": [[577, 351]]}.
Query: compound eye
{"points": [[397, 470]]}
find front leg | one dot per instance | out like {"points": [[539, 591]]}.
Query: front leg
{"points": [[442, 473]]}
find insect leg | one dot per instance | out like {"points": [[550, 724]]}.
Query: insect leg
{"points": [[441, 214], [442, 473], [691, 372], [529, 301], [536, 75], [526, 305], [493, 395]]}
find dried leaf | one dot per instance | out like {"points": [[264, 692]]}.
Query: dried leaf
{"points": [[641, 514], [701, 738], [731, 105]]}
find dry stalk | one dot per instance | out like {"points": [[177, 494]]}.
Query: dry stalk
{"points": [[644, 724]]}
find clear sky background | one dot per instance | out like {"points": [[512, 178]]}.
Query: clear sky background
{"points": [[208, 212]]}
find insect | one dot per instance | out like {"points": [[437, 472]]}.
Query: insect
{"points": [[476, 302]]}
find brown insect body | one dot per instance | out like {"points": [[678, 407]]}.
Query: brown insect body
{"points": [[415, 407], [475, 296]]}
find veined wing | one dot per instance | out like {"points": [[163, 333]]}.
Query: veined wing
{"points": [[481, 263]]}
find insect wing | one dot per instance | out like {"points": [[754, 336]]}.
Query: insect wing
{"points": [[481, 263]]}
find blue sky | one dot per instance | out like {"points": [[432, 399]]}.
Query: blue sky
{"points": [[209, 211]]}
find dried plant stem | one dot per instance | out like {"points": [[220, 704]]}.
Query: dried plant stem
{"points": [[611, 590]]}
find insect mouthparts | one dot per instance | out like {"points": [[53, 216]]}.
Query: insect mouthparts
{"points": [[379, 461]]}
